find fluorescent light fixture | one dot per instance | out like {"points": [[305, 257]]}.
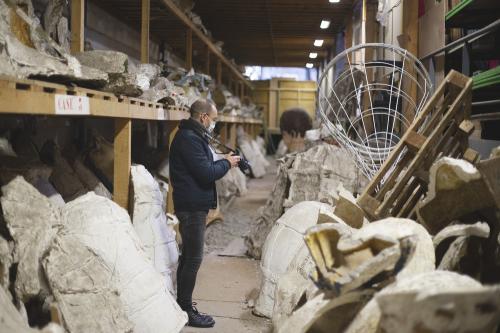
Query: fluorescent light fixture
{"points": [[318, 42], [309, 65], [313, 55], [324, 24], [334, 1]]}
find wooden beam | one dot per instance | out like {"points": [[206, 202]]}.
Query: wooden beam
{"points": [[145, 20], [122, 161], [77, 26], [219, 72], [410, 26], [410, 38], [223, 133], [233, 138], [189, 49], [207, 63], [348, 31], [199, 34]]}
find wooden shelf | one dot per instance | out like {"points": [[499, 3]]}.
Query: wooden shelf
{"points": [[43, 98], [239, 120], [39, 98], [473, 14], [32, 97]]}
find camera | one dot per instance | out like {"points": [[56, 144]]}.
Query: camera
{"points": [[243, 164]]}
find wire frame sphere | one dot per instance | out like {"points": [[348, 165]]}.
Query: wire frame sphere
{"points": [[368, 97]]}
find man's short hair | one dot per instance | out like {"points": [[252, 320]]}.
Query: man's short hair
{"points": [[201, 106]]}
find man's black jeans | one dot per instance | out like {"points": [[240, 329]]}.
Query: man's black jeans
{"points": [[192, 228]]}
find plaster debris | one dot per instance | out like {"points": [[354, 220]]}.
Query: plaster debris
{"points": [[234, 183], [111, 62], [456, 188], [33, 223], [150, 223], [283, 244], [12, 321], [460, 310], [318, 172], [271, 212], [84, 288], [27, 51], [91, 182], [63, 177], [6, 148], [107, 231], [6, 260]]}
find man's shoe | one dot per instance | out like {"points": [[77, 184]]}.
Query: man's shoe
{"points": [[198, 319]]}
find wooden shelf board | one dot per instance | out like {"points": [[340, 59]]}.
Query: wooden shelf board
{"points": [[31, 97]]}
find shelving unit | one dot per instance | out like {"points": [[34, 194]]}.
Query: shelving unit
{"points": [[472, 14], [39, 98], [163, 20], [463, 54], [478, 14]]}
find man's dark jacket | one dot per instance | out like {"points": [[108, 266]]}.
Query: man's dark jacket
{"points": [[193, 171]]}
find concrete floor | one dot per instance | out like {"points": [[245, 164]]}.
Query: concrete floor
{"points": [[223, 287], [226, 283]]}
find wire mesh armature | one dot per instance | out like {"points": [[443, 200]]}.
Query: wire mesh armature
{"points": [[368, 97]]}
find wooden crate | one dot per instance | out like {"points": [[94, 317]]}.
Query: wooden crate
{"points": [[441, 129], [277, 95]]}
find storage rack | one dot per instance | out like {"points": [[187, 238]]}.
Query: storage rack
{"points": [[39, 98]]}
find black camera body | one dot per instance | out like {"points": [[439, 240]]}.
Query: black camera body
{"points": [[243, 164]]}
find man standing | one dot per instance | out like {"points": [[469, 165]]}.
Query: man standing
{"points": [[193, 173]]}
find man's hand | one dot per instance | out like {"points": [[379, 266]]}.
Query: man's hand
{"points": [[233, 160]]}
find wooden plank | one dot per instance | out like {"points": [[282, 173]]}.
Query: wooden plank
{"points": [[414, 141], [432, 36], [410, 37], [32, 97], [429, 107], [189, 49], [219, 72], [439, 136], [223, 133], [471, 156], [207, 61], [348, 31], [77, 26], [232, 135], [369, 205], [145, 20], [122, 161], [428, 144]]}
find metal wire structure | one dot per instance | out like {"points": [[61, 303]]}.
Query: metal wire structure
{"points": [[368, 96]]}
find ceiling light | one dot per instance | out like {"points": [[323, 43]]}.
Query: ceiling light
{"points": [[318, 43], [309, 65], [313, 55], [334, 1], [324, 24]]}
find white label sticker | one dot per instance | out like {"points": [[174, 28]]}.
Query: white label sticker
{"points": [[72, 105]]}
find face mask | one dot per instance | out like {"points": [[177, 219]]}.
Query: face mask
{"points": [[211, 127]]}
